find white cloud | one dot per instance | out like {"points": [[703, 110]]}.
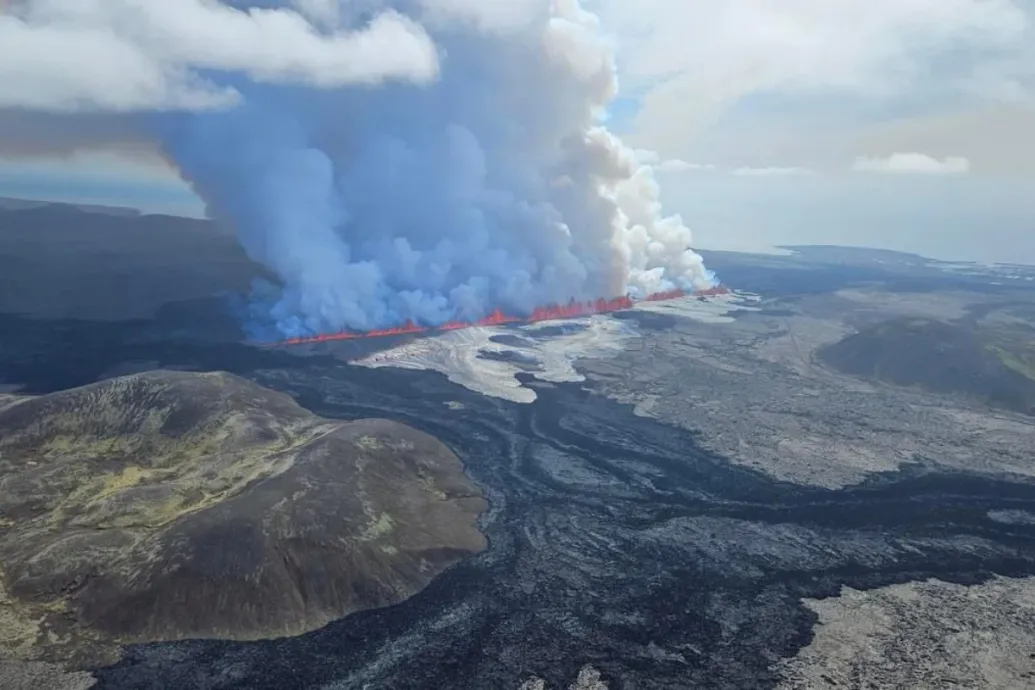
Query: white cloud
{"points": [[771, 172], [913, 163], [694, 58], [671, 165], [128, 55], [677, 165]]}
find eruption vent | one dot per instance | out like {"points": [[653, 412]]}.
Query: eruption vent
{"points": [[552, 312]]}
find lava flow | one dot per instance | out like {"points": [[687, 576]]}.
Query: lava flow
{"points": [[497, 318]]}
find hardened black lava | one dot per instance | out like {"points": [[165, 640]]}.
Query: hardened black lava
{"points": [[614, 541]]}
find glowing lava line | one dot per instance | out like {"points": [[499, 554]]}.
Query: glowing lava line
{"points": [[497, 318]]}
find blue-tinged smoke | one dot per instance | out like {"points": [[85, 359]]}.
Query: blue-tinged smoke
{"points": [[493, 186]]}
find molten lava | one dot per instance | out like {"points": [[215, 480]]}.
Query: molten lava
{"points": [[498, 318]]}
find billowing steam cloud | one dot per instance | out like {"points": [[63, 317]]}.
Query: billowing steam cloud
{"points": [[399, 159]]}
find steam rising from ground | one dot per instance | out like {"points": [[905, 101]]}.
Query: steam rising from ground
{"points": [[488, 359], [477, 360], [400, 159]]}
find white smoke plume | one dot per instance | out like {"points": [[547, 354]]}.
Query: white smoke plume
{"points": [[387, 159]]}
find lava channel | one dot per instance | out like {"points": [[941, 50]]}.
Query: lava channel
{"points": [[552, 312]]}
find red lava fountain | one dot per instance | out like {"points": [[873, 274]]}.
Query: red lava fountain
{"points": [[551, 312]]}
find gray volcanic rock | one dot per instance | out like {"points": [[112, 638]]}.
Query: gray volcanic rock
{"points": [[929, 634], [172, 505]]}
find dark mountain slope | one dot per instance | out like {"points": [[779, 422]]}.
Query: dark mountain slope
{"points": [[950, 358], [172, 505]]}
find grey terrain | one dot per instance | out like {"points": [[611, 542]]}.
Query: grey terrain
{"points": [[928, 634], [833, 388], [824, 480], [109, 264], [793, 389]]}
